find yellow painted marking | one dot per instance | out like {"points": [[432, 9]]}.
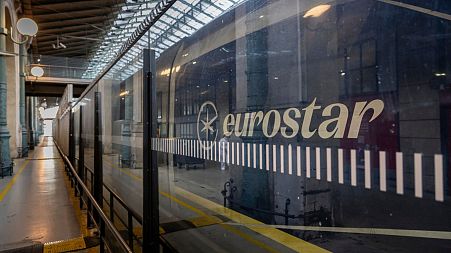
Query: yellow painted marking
{"points": [[81, 217], [65, 245], [128, 173], [138, 231], [279, 236], [205, 221], [249, 238], [11, 183], [445, 235], [227, 227], [288, 240]]}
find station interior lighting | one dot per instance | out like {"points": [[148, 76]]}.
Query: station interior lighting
{"points": [[182, 20], [317, 11], [27, 27], [37, 71]]}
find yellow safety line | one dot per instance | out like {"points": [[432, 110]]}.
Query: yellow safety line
{"points": [[138, 178], [200, 212], [13, 180], [65, 245], [81, 218], [279, 236], [288, 240], [205, 221], [227, 227]]}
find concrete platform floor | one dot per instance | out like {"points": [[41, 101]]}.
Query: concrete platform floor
{"points": [[35, 204]]}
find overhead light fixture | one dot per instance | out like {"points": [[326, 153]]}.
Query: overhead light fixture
{"points": [[124, 93], [317, 11], [27, 26], [37, 71], [58, 44]]}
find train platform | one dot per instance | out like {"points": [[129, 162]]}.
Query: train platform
{"points": [[36, 204]]}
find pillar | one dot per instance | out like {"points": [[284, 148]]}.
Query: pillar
{"points": [[5, 158], [36, 120], [22, 59], [30, 123]]}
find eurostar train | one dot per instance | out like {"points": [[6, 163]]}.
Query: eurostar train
{"points": [[325, 121]]}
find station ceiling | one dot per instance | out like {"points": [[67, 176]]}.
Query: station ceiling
{"points": [[70, 28], [96, 29]]}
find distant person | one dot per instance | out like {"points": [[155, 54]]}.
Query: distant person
{"points": [[223, 152]]}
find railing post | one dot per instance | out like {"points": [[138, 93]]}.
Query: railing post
{"points": [[90, 223], [150, 170], [130, 230], [102, 236], [98, 166], [111, 207], [81, 155], [71, 137]]}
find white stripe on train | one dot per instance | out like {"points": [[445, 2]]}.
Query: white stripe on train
{"points": [[193, 148]]}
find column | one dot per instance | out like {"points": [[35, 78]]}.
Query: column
{"points": [[36, 120], [5, 158], [22, 58], [30, 123]]}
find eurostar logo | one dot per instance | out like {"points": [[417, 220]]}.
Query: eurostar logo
{"points": [[206, 129]]}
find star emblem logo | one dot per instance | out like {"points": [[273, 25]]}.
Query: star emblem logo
{"points": [[206, 129]]}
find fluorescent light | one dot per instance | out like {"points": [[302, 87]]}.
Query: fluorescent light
{"points": [[317, 11], [124, 93]]}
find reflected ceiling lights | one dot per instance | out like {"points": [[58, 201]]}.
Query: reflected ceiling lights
{"points": [[183, 19], [317, 11]]}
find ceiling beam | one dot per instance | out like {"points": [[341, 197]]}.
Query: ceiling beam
{"points": [[85, 33], [48, 44], [74, 14], [67, 38], [80, 49], [83, 44], [69, 22], [72, 28], [39, 9]]}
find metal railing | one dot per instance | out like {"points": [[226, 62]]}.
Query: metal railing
{"points": [[102, 221], [112, 198], [58, 67]]}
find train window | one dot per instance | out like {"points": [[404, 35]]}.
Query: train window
{"points": [[261, 115], [293, 125]]}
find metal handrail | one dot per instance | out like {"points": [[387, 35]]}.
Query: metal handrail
{"points": [[131, 213], [102, 215], [128, 209], [121, 201]]}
